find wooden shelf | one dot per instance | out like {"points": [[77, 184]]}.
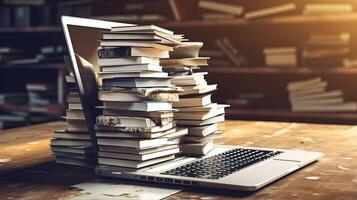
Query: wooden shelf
{"points": [[287, 115], [275, 70], [35, 66], [40, 29], [295, 19]]}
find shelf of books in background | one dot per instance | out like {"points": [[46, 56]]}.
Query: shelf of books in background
{"points": [[137, 127], [73, 145], [313, 95], [195, 111]]}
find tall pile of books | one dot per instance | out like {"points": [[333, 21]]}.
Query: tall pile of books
{"points": [[73, 146], [136, 128], [326, 50], [311, 95], [280, 56], [195, 111]]}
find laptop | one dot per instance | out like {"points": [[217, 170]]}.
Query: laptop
{"points": [[225, 167]]}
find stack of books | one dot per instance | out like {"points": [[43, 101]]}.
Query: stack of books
{"points": [[311, 95], [136, 128], [326, 50], [280, 56], [195, 109], [327, 8], [73, 145]]}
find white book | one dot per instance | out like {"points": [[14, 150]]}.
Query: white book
{"points": [[130, 150], [133, 164], [193, 102], [141, 28], [75, 114], [217, 119], [118, 96], [117, 134], [76, 150], [142, 74], [147, 106], [144, 143], [206, 108], [200, 89], [127, 61], [322, 95], [198, 149], [123, 43], [270, 11], [318, 101], [132, 68], [199, 61], [194, 81], [75, 106], [298, 85], [70, 143], [199, 115], [317, 88], [142, 157], [202, 130], [72, 136]]}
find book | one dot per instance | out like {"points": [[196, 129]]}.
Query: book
{"points": [[139, 94], [138, 157], [193, 102], [127, 61], [131, 68], [216, 119], [154, 129], [198, 61], [146, 106], [142, 74], [137, 82], [84, 150], [202, 139], [342, 107], [273, 10], [199, 115], [141, 28], [137, 151], [133, 113], [135, 143], [228, 8], [126, 51], [71, 136], [133, 164], [186, 50], [70, 143], [202, 130], [122, 121], [122, 43], [73, 161], [296, 85], [200, 89], [117, 134], [327, 8], [197, 149]]}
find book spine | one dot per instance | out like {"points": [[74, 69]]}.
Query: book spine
{"points": [[114, 52]]}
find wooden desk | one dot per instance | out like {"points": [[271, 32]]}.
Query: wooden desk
{"points": [[31, 173]]}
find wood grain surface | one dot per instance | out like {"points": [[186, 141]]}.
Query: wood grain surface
{"points": [[28, 170]]}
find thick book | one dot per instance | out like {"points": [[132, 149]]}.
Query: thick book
{"points": [[133, 113], [122, 121], [142, 74], [343, 107], [139, 94], [136, 129], [70, 143], [147, 106], [141, 28], [216, 119], [126, 51], [122, 43], [127, 61], [228, 8], [137, 82], [133, 164], [138, 157], [273, 10], [199, 115], [193, 102], [118, 134], [71, 136], [132, 68], [197, 149], [192, 62], [135, 143], [202, 130], [137, 151]]}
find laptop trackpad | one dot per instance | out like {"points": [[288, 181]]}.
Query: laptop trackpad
{"points": [[262, 173]]}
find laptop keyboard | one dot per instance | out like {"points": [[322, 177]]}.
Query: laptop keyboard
{"points": [[222, 164]]}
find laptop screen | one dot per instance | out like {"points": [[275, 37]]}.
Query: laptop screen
{"points": [[82, 37]]}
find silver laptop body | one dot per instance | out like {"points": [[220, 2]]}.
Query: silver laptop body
{"points": [[81, 36]]}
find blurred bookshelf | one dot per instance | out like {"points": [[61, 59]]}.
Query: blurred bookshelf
{"points": [[249, 37]]}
